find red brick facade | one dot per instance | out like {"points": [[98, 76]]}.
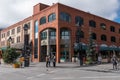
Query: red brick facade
{"points": [[41, 10], [58, 24]]}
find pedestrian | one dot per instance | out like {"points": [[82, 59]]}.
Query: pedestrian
{"points": [[54, 61], [0, 58], [115, 62], [99, 59], [47, 61]]}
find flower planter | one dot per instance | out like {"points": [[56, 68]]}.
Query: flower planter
{"points": [[16, 66]]}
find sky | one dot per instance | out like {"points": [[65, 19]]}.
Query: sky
{"points": [[13, 11]]}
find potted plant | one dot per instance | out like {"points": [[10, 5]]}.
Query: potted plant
{"points": [[10, 55]]}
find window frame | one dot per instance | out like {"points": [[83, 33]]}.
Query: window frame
{"points": [[51, 17], [43, 20], [92, 23]]}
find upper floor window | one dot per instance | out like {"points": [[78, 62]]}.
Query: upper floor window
{"points": [[8, 33], [119, 30], [13, 31], [81, 34], [103, 26], [43, 35], [103, 38], [51, 17], [113, 39], [94, 36], [36, 26], [78, 21], [3, 35], [18, 29], [43, 20], [92, 23], [18, 39], [65, 17], [112, 28], [52, 35]]}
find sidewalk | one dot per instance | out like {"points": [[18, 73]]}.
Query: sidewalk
{"points": [[68, 65]]}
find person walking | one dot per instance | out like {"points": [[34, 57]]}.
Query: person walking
{"points": [[47, 61], [115, 62], [54, 61], [99, 59], [0, 58]]}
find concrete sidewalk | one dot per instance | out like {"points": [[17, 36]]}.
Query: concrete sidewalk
{"points": [[99, 68]]}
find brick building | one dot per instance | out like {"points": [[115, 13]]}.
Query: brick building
{"points": [[53, 32], [16, 33]]}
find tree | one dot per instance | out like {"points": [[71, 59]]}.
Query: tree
{"points": [[10, 55], [91, 48]]}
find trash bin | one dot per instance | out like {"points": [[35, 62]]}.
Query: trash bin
{"points": [[26, 62]]}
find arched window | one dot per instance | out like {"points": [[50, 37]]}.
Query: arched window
{"points": [[64, 34], [92, 23], [65, 17], [103, 38], [94, 36], [51, 17], [103, 26], [82, 34], [113, 39], [43, 20], [78, 21], [112, 28]]}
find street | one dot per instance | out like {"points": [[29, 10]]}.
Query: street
{"points": [[63, 71]]}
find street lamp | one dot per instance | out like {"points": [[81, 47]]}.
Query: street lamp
{"points": [[9, 40], [78, 45], [25, 52]]}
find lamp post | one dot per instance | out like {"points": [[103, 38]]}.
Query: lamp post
{"points": [[78, 45], [9, 40], [25, 52]]}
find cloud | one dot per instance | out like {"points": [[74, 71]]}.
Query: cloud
{"points": [[98, 7], [13, 11]]}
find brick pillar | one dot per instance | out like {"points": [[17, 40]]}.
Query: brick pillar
{"points": [[39, 46], [57, 45]]}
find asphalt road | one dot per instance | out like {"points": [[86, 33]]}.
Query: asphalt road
{"points": [[64, 71]]}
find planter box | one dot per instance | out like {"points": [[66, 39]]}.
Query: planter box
{"points": [[16, 66]]}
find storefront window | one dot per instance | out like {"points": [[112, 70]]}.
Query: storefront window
{"points": [[65, 34]]}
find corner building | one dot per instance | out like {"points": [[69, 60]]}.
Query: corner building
{"points": [[52, 31], [55, 33]]}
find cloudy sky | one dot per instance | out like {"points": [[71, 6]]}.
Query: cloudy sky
{"points": [[12, 11]]}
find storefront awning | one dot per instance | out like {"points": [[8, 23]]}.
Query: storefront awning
{"points": [[3, 48], [109, 48], [103, 48]]}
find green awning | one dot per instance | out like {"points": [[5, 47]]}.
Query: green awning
{"points": [[114, 48], [84, 47], [102, 48], [3, 48]]}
